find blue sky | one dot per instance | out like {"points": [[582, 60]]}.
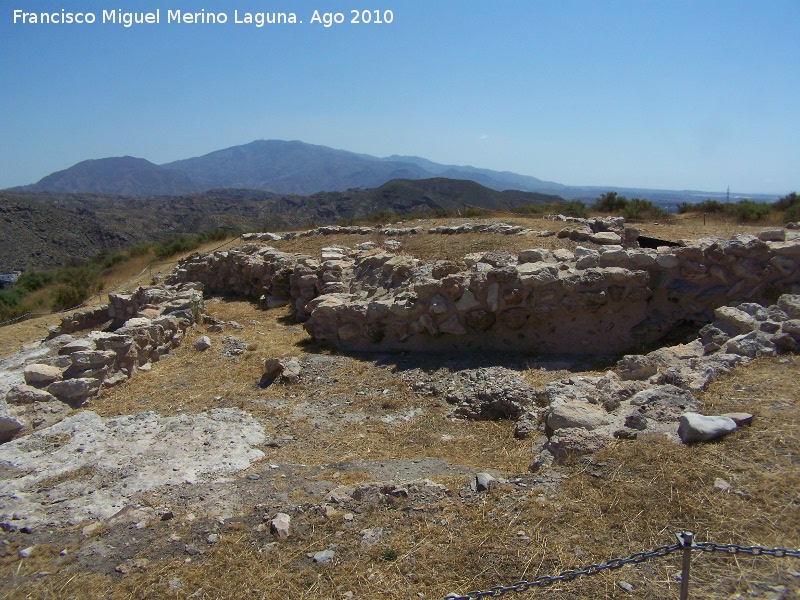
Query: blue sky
{"points": [[669, 94]]}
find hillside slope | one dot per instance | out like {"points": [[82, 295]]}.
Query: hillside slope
{"points": [[292, 168], [285, 167], [109, 222], [34, 235], [118, 175]]}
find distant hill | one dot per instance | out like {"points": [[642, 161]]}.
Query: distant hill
{"points": [[120, 175], [45, 229], [293, 167], [283, 167], [496, 180]]}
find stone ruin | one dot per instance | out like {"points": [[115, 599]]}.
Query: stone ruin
{"points": [[608, 299], [612, 299], [131, 332]]}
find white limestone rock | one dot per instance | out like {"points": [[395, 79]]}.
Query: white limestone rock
{"points": [[41, 375], [790, 304], [9, 425], [75, 390], [202, 343], [281, 525], [26, 394], [695, 427], [576, 414]]}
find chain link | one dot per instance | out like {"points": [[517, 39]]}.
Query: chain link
{"points": [[617, 563], [568, 575], [749, 550]]}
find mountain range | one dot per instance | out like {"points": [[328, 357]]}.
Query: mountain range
{"points": [[294, 167], [112, 203], [271, 165]]}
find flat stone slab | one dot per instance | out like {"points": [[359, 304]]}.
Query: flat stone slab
{"points": [[42, 375], [129, 454]]}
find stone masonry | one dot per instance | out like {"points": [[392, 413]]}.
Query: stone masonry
{"points": [[601, 299]]}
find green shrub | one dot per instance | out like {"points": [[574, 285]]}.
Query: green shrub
{"points": [[13, 300], [175, 245], [638, 208], [74, 286], [139, 250], [533, 209], [792, 213], [574, 208], [610, 202], [11, 305], [106, 260], [389, 554], [475, 212], [30, 281], [790, 205], [788, 202], [748, 210], [214, 235], [707, 206]]}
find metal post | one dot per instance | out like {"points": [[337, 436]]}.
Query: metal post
{"points": [[685, 539]]}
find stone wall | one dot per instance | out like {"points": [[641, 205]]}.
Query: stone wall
{"points": [[142, 327], [597, 299]]}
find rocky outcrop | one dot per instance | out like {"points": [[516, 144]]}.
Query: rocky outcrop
{"points": [[129, 453], [488, 394]]}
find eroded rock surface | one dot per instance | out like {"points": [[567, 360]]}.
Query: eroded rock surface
{"points": [[87, 467]]}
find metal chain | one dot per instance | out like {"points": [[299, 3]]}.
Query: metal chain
{"points": [[751, 550], [568, 575], [616, 563]]}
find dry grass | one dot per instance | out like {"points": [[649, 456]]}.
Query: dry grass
{"points": [[690, 226], [631, 497], [432, 247]]}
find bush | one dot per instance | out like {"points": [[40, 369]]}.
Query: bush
{"points": [[139, 250], [475, 212], [30, 281], [11, 303], [610, 202], [214, 235], [534, 209], [790, 205], [638, 208], [788, 202], [106, 260], [175, 245], [75, 285], [748, 210], [707, 206], [574, 208]]}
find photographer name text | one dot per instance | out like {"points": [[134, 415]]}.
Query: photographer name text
{"points": [[202, 17]]}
